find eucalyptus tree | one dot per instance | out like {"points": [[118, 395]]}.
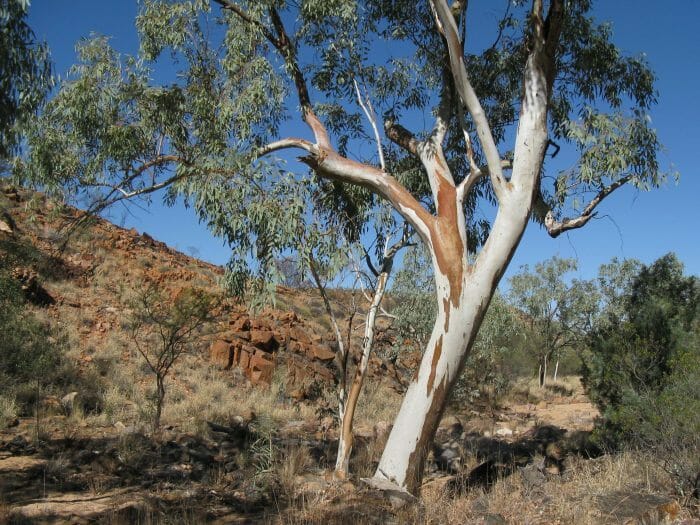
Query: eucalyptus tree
{"points": [[213, 133], [373, 281], [559, 314], [26, 73]]}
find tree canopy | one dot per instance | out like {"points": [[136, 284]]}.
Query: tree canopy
{"points": [[112, 132]]}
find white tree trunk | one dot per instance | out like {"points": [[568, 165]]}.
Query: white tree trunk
{"points": [[464, 291], [543, 371], [345, 439], [458, 320], [556, 370]]}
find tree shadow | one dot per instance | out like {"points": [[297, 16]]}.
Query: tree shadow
{"points": [[540, 452]]}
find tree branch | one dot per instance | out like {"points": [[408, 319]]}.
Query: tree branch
{"points": [[401, 136], [290, 142], [234, 8], [475, 176], [369, 112], [289, 54], [468, 95], [556, 228]]}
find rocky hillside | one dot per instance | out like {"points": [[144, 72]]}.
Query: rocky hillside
{"points": [[84, 283]]}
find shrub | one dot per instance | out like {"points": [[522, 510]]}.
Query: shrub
{"points": [[30, 350], [643, 368], [164, 328]]}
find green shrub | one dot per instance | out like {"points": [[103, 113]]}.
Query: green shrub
{"points": [[31, 353], [643, 368], [28, 348]]}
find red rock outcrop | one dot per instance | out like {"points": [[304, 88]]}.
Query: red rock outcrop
{"points": [[257, 345]]}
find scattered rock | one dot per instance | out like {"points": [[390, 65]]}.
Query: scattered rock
{"points": [[321, 352], [638, 509], [5, 227], [32, 289], [263, 339], [397, 496]]}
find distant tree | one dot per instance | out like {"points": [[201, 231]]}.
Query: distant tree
{"points": [[25, 76], [373, 284], [558, 314], [488, 374], [614, 283], [551, 79], [163, 329]]}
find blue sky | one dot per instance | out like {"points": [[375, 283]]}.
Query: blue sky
{"points": [[644, 225]]}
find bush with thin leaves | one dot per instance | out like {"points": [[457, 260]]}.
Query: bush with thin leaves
{"points": [[163, 329]]}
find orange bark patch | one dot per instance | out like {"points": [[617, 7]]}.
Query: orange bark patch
{"points": [[433, 366], [447, 241], [446, 306]]}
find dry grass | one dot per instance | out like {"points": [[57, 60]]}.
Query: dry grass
{"points": [[378, 403], [527, 390], [590, 493], [198, 393], [293, 461]]}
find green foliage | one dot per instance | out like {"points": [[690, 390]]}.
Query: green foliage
{"points": [[28, 348], [414, 295], [643, 370], [26, 73], [112, 133], [488, 373]]}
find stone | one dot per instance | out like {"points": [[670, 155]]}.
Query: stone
{"points": [[245, 355], [264, 339], [240, 324], [632, 508], [504, 432], [321, 352], [221, 354], [5, 227], [260, 370], [242, 336], [296, 333]]}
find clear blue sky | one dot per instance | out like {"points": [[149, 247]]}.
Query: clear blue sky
{"points": [[633, 224]]}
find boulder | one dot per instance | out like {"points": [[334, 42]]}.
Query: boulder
{"points": [[260, 369], [263, 339], [240, 324], [321, 352], [221, 354], [243, 335], [246, 353], [5, 227], [297, 333]]}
